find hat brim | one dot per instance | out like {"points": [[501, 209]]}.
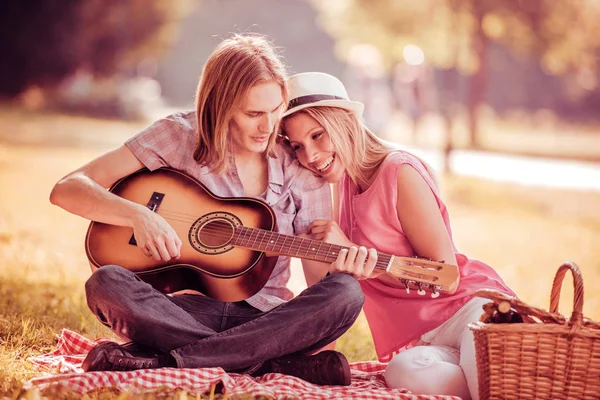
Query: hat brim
{"points": [[353, 106]]}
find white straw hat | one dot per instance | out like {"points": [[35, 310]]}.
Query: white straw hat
{"points": [[312, 89]]}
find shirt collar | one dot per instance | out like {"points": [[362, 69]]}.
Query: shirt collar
{"points": [[274, 170], [275, 174]]}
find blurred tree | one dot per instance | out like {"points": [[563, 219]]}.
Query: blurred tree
{"points": [[563, 34], [42, 42]]}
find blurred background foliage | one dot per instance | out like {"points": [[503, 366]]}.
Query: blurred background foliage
{"points": [[44, 42], [562, 35], [459, 54], [73, 55]]}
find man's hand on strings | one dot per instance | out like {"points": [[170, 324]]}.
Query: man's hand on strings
{"points": [[352, 259]]}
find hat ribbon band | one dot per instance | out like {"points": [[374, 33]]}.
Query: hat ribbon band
{"points": [[302, 100]]}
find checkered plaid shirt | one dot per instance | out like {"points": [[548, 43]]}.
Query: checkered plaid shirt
{"points": [[295, 194]]}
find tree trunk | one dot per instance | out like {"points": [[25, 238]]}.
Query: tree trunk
{"points": [[450, 88], [478, 82]]}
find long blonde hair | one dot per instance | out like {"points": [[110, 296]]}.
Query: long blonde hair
{"points": [[360, 150], [234, 67]]}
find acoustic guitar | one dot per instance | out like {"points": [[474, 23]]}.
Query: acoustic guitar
{"points": [[225, 241]]}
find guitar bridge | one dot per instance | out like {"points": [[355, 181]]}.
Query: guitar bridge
{"points": [[153, 205]]}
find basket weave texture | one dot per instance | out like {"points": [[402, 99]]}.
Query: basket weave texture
{"points": [[551, 358]]}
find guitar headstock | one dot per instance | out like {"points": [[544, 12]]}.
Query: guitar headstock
{"points": [[424, 275]]}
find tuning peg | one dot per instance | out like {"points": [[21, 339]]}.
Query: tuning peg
{"points": [[434, 293], [420, 292], [405, 282]]}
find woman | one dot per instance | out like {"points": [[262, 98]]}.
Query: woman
{"points": [[387, 200]]}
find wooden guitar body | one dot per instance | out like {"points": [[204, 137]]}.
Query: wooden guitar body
{"points": [[204, 222]]}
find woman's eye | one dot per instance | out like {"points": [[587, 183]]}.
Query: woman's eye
{"points": [[295, 147], [317, 135]]}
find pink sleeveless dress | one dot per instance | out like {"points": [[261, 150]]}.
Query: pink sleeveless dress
{"points": [[397, 319]]}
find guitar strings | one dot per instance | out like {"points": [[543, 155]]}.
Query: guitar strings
{"points": [[224, 230]]}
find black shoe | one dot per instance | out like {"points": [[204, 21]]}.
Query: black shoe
{"points": [[110, 356], [328, 367]]}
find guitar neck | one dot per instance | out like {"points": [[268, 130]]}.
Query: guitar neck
{"points": [[293, 246], [413, 272]]}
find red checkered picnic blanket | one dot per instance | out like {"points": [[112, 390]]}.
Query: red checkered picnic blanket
{"points": [[63, 367]]}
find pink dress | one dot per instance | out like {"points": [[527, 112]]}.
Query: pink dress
{"points": [[397, 319]]}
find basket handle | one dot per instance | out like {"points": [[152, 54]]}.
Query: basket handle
{"points": [[576, 320]]}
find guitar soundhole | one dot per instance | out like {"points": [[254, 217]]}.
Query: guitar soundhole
{"points": [[212, 233], [215, 233]]}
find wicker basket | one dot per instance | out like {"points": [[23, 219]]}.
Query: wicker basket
{"points": [[550, 358]]}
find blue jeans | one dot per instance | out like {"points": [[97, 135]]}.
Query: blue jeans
{"points": [[199, 331]]}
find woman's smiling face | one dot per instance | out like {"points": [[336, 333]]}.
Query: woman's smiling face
{"points": [[313, 147]]}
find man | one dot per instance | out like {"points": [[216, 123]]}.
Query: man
{"points": [[227, 143]]}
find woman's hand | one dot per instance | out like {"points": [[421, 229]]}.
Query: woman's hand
{"points": [[329, 232]]}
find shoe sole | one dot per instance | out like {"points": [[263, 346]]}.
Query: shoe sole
{"points": [[346, 368], [86, 365]]}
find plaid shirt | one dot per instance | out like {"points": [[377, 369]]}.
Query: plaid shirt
{"points": [[294, 193]]}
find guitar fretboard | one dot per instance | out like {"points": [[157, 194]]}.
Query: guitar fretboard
{"points": [[288, 245]]}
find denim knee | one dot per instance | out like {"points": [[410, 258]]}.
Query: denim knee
{"points": [[346, 292], [104, 282]]}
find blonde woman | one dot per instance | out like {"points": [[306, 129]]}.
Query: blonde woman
{"points": [[228, 144], [387, 200]]}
